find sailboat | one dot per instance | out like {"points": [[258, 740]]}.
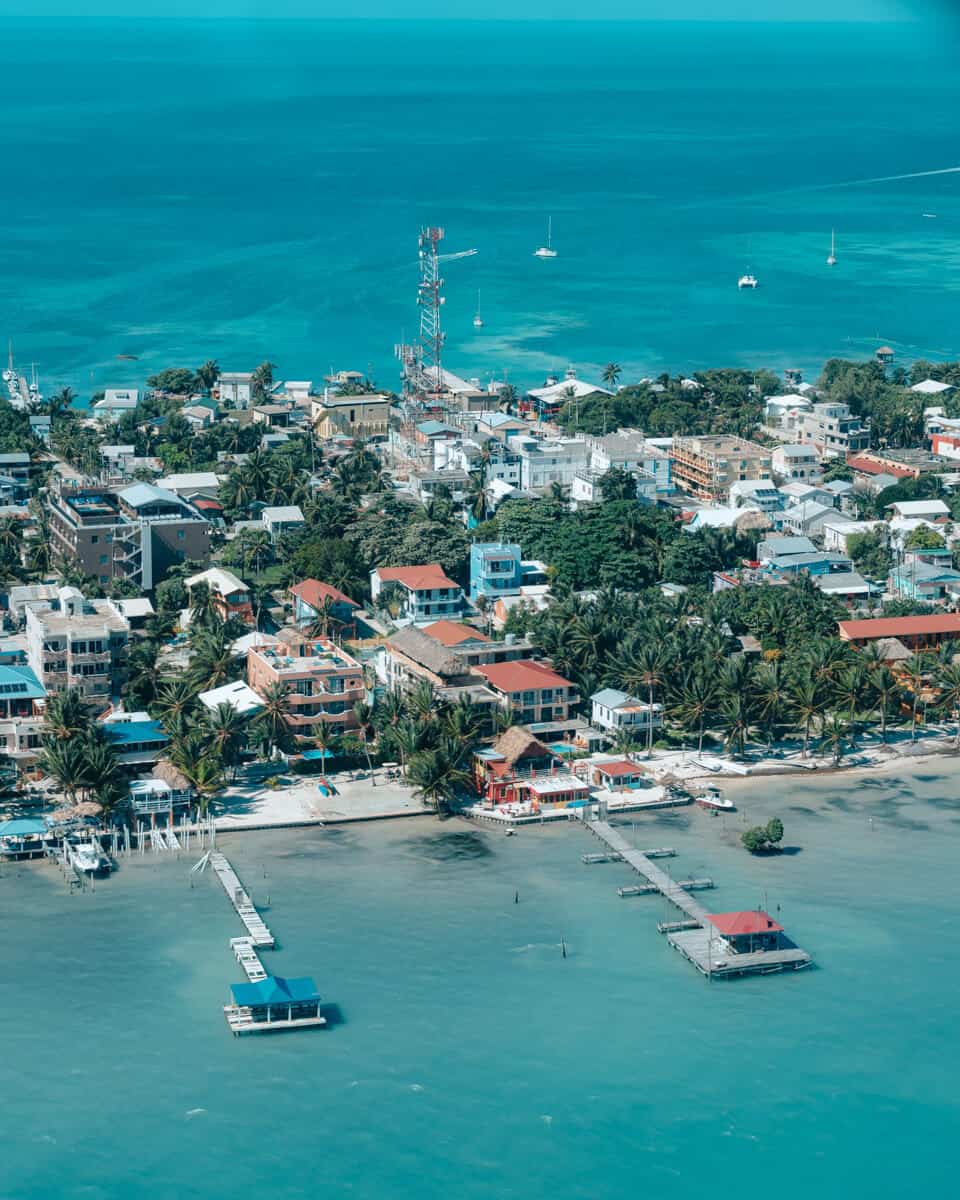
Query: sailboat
{"points": [[547, 251], [478, 320], [832, 260]]}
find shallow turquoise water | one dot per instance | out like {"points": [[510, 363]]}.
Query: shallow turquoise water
{"points": [[239, 190], [473, 1060]]}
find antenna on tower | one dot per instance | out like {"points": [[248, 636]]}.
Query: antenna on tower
{"points": [[422, 362]]}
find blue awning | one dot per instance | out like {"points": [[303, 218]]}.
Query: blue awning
{"points": [[275, 990]]}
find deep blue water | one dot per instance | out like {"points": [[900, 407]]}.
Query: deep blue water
{"points": [[237, 190], [473, 1061]]}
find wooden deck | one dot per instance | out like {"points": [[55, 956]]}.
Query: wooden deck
{"points": [[256, 927], [241, 1021], [695, 937], [248, 958]]}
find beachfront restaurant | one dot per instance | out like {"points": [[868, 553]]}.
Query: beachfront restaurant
{"points": [[274, 1003]]}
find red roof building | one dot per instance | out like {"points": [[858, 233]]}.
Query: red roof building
{"points": [[313, 599], [916, 633], [420, 595], [534, 692], [454, 633], [748, 931], [619, 774]]}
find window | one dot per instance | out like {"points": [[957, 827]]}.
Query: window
{"points": [[181, 535], [94, 539], [104, 558]]}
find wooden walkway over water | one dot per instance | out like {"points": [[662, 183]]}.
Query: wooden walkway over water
{"points": [[696, 937], [256, 927]]}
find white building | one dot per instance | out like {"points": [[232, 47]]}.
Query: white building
{"points": [[116, 402], [551, 460], [282, 519], [796, 463], [77, 643], [612, 711], [422, 594], [931, 387], [834, 429], [629, 450], [235, 388]]}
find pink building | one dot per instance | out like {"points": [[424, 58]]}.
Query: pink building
{"points": [[324, 681]]}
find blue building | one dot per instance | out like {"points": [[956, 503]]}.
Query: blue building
{"points": [[137, 742], [497, 569]]}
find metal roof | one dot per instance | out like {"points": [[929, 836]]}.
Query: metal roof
{"points": [[275, 990]]}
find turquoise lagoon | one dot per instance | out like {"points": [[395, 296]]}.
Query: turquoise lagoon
{"points": [[471, 1059]]}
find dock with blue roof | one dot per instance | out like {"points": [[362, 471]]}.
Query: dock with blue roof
{"points": [[265, 1003]]}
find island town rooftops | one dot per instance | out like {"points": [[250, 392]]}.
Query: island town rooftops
{"points": [[521, 676], [218, 580], [239, 695], [867, 466], [313, 592], [931, 387], [454, 633], [428, 577], [742, 924], [934, 625]]}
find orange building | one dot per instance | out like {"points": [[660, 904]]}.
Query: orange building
{"points": [[324, 681]]}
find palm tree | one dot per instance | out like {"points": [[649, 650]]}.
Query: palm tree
{"points": [[696, 701], [438, 776], [476, 497], [736, 712], [255, 471], [805, 704], [850, 690], [203, 610], [66, 715], [227, 733], [60, 401], [326, 740], [363, 714], [885, 687], [422, 702], [913, 674], [272, 721], [141, 689], [645, 669], [65, 762], [255, 546], [213, 662], [208, 374], [834, 734], [507, 397], [262, 380], [462, 721], [948, 681], [611, 374], [176, 699]]}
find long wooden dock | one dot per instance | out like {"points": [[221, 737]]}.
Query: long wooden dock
{"points": [[256, 927], [248, 958], [696, 937]]}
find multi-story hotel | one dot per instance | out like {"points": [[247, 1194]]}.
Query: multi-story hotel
{"points": [[324, 681]]}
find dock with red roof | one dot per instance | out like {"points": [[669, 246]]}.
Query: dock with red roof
{"points": [[720, 945]]}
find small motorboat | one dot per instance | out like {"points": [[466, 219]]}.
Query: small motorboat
{"points": [[748, 281], [713, 800], [87, 857]]}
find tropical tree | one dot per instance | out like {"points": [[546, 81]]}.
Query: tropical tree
{"points": [[695, 702], [366, 729], [226, 729], [913, 674], [805, 704], [644, 669], [176, 699], [834, 734], [611, 374], [272, 722], [67, 716], [262, 380], [438, 775], [736, 714], [885, 687], [65, 762], [208, 374], [948, 682]]}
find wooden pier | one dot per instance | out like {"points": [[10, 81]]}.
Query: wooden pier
{"points": [[648, 889], [265, 1003], [696, 936], [613, 856], [256, 927]]}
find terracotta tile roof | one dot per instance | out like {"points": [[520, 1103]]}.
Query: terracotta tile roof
{"points": [[422, 578], [733, 924], [616, 769], [898, 627], [521, 676], [314, 592], [452, 633], [867, 466]]}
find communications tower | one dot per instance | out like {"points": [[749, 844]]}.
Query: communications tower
{"points": [[422, 363]]}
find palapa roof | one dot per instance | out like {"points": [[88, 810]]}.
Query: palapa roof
{"points": [[171, 775], [426, 651], [518, 742]]}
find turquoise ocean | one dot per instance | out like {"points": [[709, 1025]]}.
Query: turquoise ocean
{"points": [[471, 1059], [184, 190]]}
